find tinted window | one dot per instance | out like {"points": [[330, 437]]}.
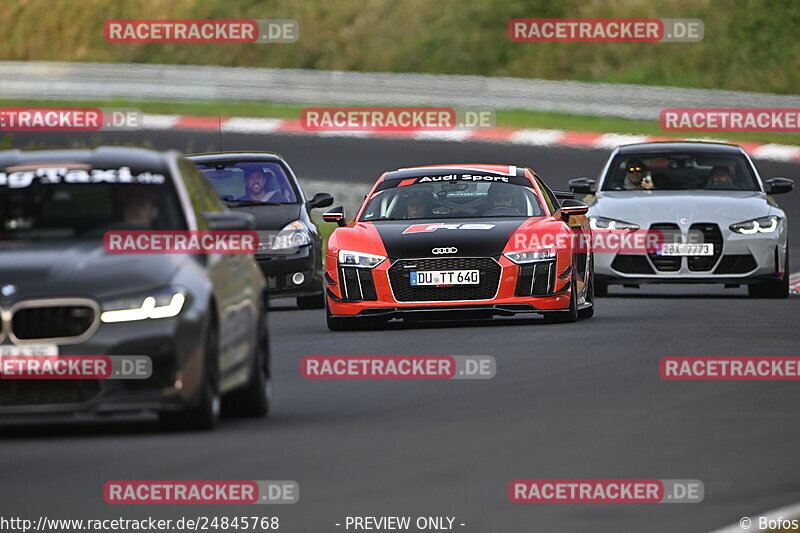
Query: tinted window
{"points": [[76, 201], [458, 199], [253, 181], [680, 172], [549, 197]]}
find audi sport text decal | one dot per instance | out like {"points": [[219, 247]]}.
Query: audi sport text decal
{"points": [[464, 177]]}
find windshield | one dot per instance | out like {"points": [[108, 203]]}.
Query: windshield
{"points": [[692, 171], [459, 199], [60, 203], [250, 181]]}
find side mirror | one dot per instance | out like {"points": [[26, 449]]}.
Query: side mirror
{"points": [[571, 207], [564, 195], [582, 185], [779, 185], [230, 221], [336, 215], [321, 199]]}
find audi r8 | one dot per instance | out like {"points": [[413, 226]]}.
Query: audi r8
{"points": [[198, 317], [717, 218], [455, 242]]}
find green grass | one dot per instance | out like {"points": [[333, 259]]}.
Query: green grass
{"points": [[748, 44], [510, 118]]}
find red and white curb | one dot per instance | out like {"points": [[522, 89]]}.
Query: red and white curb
{"points": [[794, 283], [531, 137]]}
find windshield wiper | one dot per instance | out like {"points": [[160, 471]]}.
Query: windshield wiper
{"points": [[250, 202]]}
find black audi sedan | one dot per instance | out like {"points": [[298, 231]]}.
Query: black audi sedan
{"points": [[198, 317], [290, 246]]}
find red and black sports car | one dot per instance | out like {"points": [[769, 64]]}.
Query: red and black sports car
{"points": [[458, 241]]}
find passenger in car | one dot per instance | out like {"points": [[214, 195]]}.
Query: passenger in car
{"points": [[720, 178]]}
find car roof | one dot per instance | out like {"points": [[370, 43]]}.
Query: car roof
{"points": [[235, 155], [678, 146], [100, 157], [412, 172]]}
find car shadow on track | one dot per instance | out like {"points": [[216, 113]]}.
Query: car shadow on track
{"points": [[135, 425], [444, 324], [707, 296]]}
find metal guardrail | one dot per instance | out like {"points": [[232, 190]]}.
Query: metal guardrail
{"points": [[87, 81]]}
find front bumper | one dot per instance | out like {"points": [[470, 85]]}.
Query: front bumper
{"points": [[279, 269], [504, 302], [743, 259], [174, 346]]}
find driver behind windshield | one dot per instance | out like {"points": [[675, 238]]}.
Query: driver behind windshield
{"points": [[636, 176], [139, 209], [259, 185], [418, 206]]}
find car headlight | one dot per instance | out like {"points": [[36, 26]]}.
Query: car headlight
{"points": [[293, 235], [758, 225], [532, 256], [359, 259], [158, 304], [610, 223]]}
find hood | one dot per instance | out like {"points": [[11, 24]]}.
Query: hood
{"points": [[648, 207], [80, 269], [271, 217], [485, 237]]}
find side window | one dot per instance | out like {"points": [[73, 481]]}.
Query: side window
{"points": [[201, 193], [552, 202]]}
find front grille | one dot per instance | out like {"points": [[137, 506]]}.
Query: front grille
{"points": [[47, 391], [400, 279], [736, 264], [357, 284], [671, 234], [712, 234], [632, 264], [536, 279], [52, 321]]}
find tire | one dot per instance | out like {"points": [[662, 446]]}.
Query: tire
{"points": [[205, 412], [571, 314], [778, 288], [336, 323], [255, 399], [588, 312], [317, 301]]}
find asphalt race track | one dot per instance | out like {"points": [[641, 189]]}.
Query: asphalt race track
{"points": [[578, 401]]}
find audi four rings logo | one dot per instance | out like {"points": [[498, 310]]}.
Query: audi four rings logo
{"points": [[450, 250]]}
